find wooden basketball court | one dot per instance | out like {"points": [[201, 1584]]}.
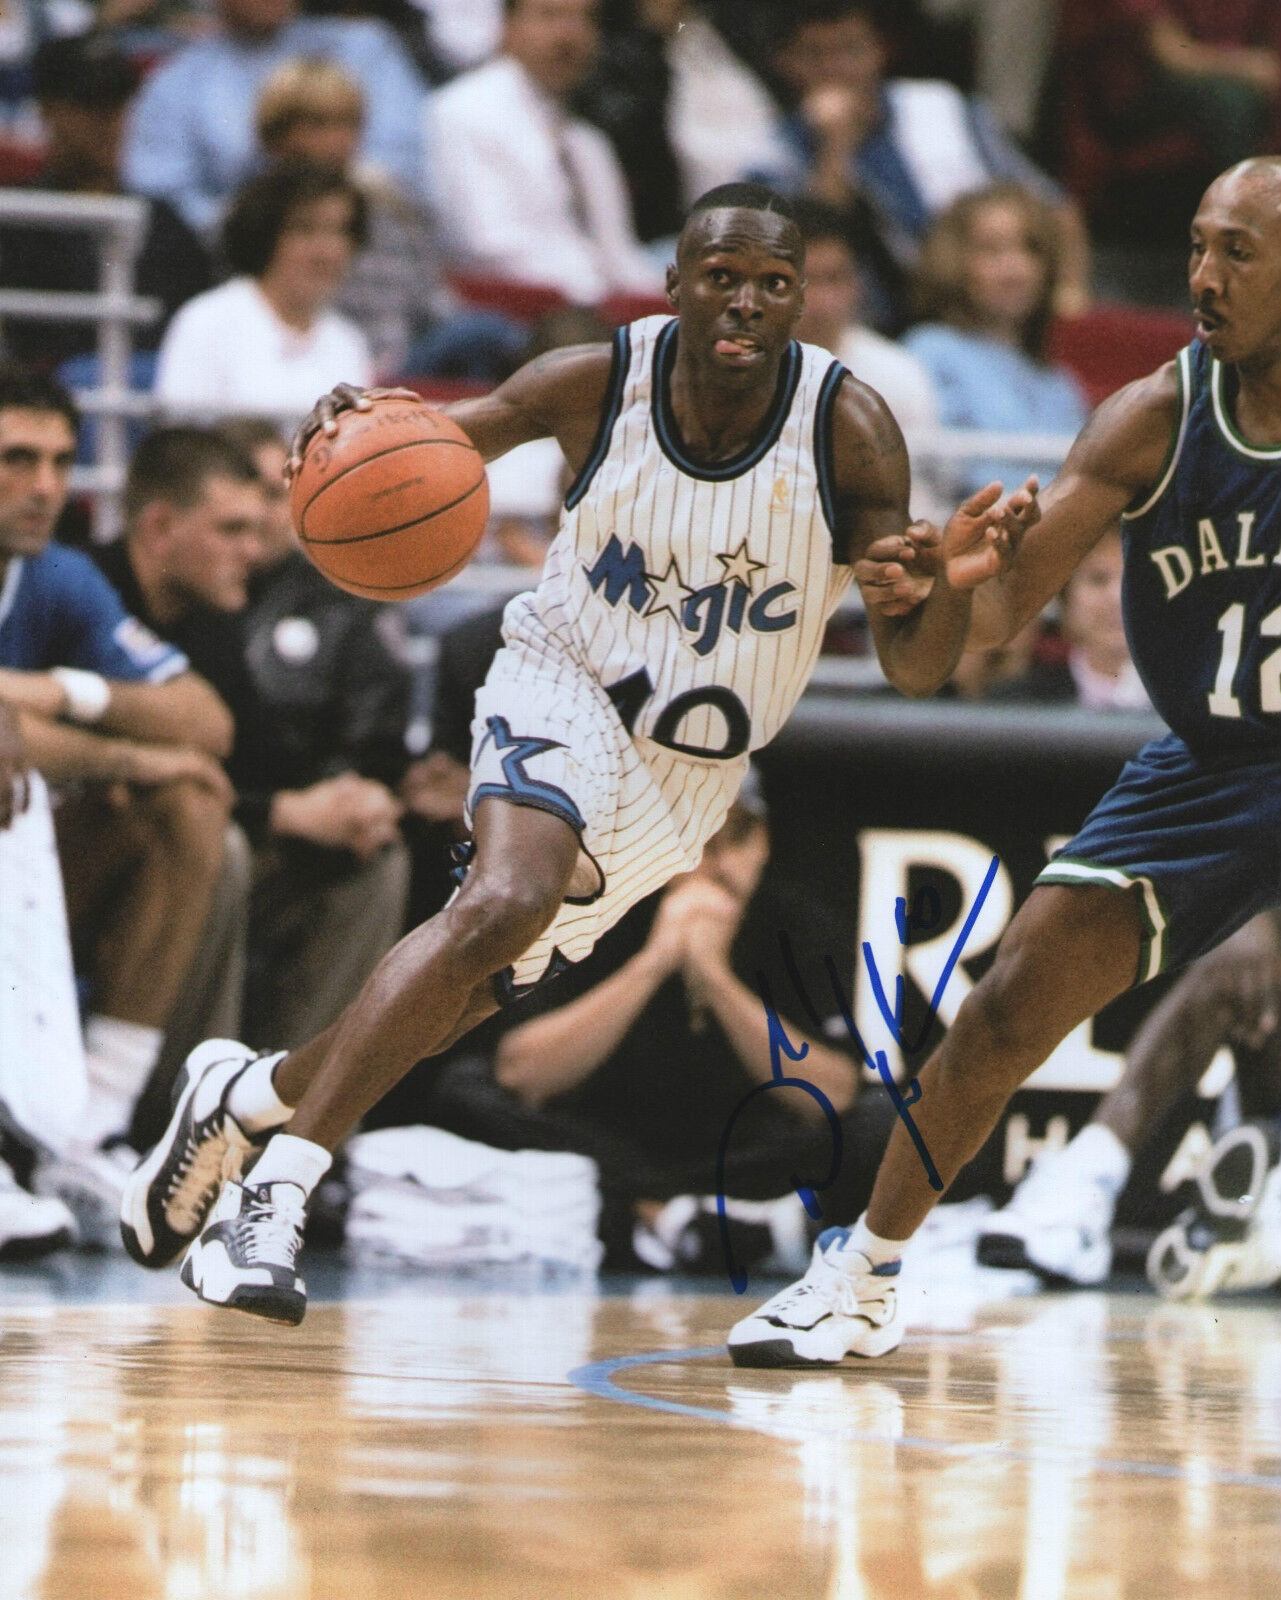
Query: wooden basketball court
{"points": [[427, 1436]]}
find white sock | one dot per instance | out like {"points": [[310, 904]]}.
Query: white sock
{"points": [[253, 1100], [290, 1160], [119, 1057], [1098, 1154], [877, 1250]]}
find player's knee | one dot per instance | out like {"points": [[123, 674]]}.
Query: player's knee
{"points": [[495, 922]]}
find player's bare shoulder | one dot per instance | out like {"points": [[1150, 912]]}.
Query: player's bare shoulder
{"points": [[868, 454]]}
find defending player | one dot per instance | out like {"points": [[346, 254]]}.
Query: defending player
{"points": [[1183, 850], [726, 479]]}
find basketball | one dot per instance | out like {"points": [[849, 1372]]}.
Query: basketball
{"points": [[394, 503]]}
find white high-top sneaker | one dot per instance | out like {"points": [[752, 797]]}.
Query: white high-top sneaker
{"points": [[1054, 1224], [245, 1256], [843, 1306]]}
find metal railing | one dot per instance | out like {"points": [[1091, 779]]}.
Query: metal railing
{"points": [[119, 226]]}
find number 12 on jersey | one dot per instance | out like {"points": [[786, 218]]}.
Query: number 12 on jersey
{"points": [[1222, 699]]}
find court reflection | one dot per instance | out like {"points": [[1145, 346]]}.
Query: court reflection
{"points": [[1072, 1448]]}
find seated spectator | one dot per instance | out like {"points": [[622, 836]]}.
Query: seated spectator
{"points": [[831, 319], [528, 191], [463, 33], [643, 1055], [1096, 671], [319, 703], [107, 707], [24, 26], [907, 148], [268, 340], [682, 110], [312, 112], [84, 86], [1196, 82], [190, 138], [986, 287], [1059, 1220]]}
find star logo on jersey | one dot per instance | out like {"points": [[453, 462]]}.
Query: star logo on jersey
{"points": [[740, 568], [667, 593]]}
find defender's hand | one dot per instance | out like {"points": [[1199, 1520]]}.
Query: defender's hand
{"points": [[896, 574], [323, 416], [982, 537]]}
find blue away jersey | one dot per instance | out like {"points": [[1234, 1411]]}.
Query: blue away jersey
{"points": [[1202, 592], [57, 610]]}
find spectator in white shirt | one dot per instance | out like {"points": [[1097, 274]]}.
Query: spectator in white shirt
{"points": [[526, 191], [831, 320], [268, 341]]}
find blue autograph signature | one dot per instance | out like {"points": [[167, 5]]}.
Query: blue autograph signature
{"points": [[925, 914]]}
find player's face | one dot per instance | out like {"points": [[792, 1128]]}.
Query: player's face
{"points": [[738, 289], [1004, 272], [211, 548], [37, 449], [1234, 271], [556, 41]]}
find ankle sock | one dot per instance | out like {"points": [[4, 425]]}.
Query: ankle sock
{"points": [[288, 1159], [253, 1100], [877, 1250]]}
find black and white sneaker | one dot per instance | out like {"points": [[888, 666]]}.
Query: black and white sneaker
{"points": [[173, 1188], [245, 1257]]}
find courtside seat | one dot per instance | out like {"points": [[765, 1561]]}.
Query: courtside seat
{"points": [[1111, 345], [523, 302]]}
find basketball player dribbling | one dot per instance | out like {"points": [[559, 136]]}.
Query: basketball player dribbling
{"points": [[726, 479], [1186, 847]]}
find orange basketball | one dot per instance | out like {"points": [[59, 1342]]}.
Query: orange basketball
{"points": [[394, 503]]}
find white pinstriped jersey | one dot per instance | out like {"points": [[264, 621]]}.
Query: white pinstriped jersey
{"points": [[697, 595]]}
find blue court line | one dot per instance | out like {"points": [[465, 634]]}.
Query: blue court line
{"points": [[597, 1378]]}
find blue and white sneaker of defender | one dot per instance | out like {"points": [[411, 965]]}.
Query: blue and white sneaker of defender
{"points": [[245, 1257], [173, 1188], [843, 1306]]}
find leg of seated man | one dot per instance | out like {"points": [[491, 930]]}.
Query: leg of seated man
{"points": [[139, 878], [317, 935]]}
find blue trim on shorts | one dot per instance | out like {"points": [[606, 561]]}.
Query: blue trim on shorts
{"points": [[522, 789]]}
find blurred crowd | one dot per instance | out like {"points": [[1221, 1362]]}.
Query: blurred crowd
{"points": [[236, 786]]}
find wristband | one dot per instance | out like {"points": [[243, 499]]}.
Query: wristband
{"points": [[88, 693]]}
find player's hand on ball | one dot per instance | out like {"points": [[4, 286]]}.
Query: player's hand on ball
{"points": [[896, 574], [323, 416], [984, 534]]}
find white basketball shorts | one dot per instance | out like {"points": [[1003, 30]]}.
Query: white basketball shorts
{"points": [[547, 735]]}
